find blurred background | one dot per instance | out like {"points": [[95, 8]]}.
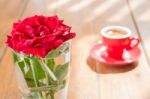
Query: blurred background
{"points": [[86, 17]]}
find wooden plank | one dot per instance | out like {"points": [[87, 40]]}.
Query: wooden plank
{"points": [[114, 83], [140, 14], [39, 8], [83, 81], [10, 11], [87, 18], [121, 82], [8, 85]]}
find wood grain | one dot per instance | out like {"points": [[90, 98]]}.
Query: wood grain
{"points": [[10, 12], [114, 82], [140, 14], [87, 17]]}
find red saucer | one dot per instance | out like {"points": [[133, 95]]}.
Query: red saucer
{"points": [[99, 53]]}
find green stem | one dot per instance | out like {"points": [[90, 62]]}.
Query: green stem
{"points": [[49, 72], [47, 79], [50, 93], [34, 76]]}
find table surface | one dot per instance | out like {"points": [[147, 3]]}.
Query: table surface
{"points": [[86, 17]]}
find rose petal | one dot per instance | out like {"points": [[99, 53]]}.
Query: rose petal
{"points": [[37, 35]]}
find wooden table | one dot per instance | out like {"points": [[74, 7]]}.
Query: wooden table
{"points": [[86, 17]]}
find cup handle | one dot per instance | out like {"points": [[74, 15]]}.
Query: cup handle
{"points": [[134, 41]]}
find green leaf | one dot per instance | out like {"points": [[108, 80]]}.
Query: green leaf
{"points": [[30, 82], [40, 74], [15, 57], [21, 66], [27, 74], [56, 52], [61, 85], [61, 71], [47, 70], [27, 61], [34, 72], [50, 63]]}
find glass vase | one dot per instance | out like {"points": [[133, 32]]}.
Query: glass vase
{"points": [[43, 78]]}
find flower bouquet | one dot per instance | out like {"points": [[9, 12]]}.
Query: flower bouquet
{"points": [[41, 54]]}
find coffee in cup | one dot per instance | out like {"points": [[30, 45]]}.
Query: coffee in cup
{"points": [[116, 33], [118, 39]]}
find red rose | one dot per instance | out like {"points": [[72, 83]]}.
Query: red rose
{"points": [[38, 35]]}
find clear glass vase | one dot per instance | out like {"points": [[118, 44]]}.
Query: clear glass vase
{"points": [[44, 78]]}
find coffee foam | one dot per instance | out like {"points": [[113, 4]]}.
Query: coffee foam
{"points": [[119, 28]]}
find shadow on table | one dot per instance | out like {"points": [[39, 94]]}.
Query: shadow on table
{"points": [[107, 69]]}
